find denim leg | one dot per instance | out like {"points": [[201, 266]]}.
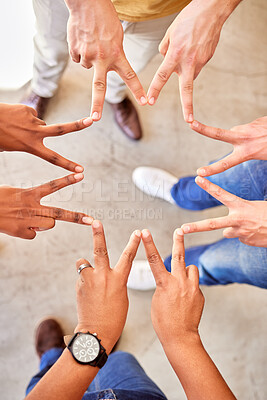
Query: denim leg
{"points": [[228, 261], [122, 371], [247, 180], [48, 359]]}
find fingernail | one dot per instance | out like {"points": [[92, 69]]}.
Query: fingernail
{"points": [[95, 115], [190, 118], [195, 124], [145, 233], [96, 224], [143, 100], [186, 229], [201, 171], [179, 232], [199, 179], [79, 168], [137, 233], [87, 121], [151, 101], [87, 220], [78, 177]]}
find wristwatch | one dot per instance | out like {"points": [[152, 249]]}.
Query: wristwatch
{"points": [[86, 349]]}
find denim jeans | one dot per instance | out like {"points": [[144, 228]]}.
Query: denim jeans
{"points": [[121, 378], [228, 260]]}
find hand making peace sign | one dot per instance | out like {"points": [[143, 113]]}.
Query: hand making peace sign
{"points": [[22, 215]]}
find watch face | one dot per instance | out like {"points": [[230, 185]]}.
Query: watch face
{"points": [[85, 348]]}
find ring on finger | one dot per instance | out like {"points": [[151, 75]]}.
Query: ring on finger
{"points": [[81, 267]]}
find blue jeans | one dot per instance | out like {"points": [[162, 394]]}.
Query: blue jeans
{"points": [[228, 260], [121, 378]]}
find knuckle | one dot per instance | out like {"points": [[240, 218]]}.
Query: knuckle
{"points": [[100, 252], [128, 255], [130, 75], [178, 258], [100, 85], [212, 225], [153, 258], [188, 87], [163, 76], [219, 133]]}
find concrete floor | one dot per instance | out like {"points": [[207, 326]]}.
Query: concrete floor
{"points": [[38, 277]]}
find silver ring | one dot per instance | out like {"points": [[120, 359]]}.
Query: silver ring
{"points": [[81, 267]]}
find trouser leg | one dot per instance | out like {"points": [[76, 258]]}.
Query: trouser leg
{"points": [[50, 45]]}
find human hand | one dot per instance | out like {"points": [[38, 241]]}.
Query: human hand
{"points": [[22, 215], [246, 220], [95, 38], [21, 130], [102, 301], [178, 302], [249, 141], [187, 46]]}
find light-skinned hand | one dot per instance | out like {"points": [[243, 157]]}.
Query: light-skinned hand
{"points": [[188, 45], [249, 141], [247, 220], [177, 303], [102, 301], [22, 215], [95, 38], [21, 130]]}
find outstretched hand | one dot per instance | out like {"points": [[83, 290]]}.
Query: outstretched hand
{"points": [[249, 141], [102, 300], [95, 38], [21, 130], [22, 215], [247, 220], [178, 302]]}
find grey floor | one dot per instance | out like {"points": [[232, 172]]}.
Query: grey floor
{"points": [[38, 277]]}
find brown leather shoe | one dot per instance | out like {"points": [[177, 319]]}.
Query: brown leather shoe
{"points": [[48, 335], [37, 102], [126, 117]]}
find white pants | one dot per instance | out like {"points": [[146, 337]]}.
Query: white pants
{"points": [[141, 41]]}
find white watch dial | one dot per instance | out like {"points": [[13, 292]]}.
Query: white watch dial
{"points": [[86, 348]]}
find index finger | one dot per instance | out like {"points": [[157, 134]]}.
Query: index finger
{"points": [[65, 215], [178, 266], [127, 74], [99, 91], [57, 184], [126, 259], [160, 79], [186, 94], [228, 199], [62, 129], [155, 261], [208, 225], [100, 248], [214, 133]]}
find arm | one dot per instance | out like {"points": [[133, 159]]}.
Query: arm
{"points": [[22, 215], [95, 38], [249, 141], [176, 311], [102, 306], [247, 220], [188, 45], [21, 130]]}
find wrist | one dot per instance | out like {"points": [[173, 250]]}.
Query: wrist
{"points": [[220, 9], [182, 342]]}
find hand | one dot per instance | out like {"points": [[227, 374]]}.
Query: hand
{"points": [[187, 46], [246, 220], [22, 215], [95, 38], [102, 300], [249, 141], [21, 130], [178, 302]]}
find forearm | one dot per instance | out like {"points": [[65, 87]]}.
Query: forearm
{"points": [[66, 380], [221, 9], [196, 371]]}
